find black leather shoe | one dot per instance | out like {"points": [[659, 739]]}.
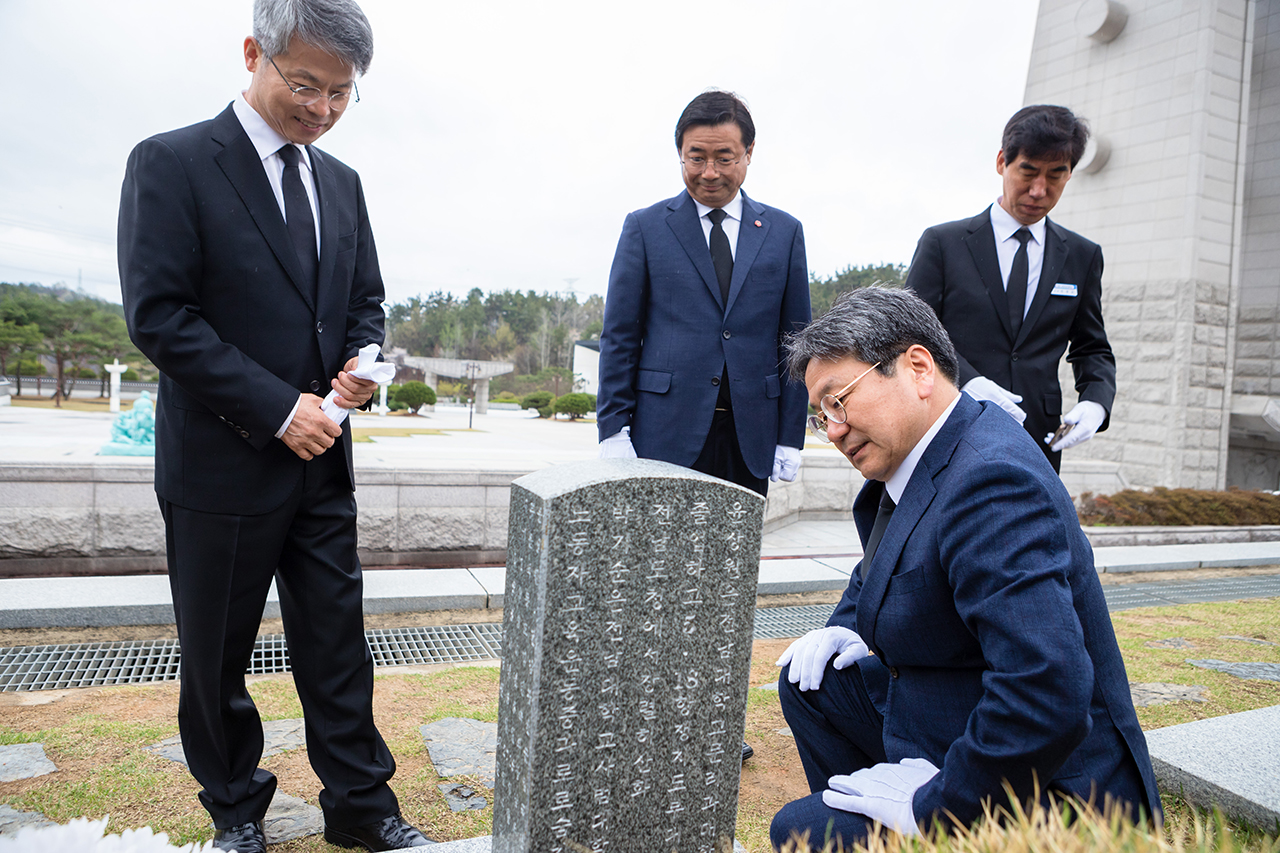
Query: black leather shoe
{"points": [[390, 833], [747, 751], [245, 838]]}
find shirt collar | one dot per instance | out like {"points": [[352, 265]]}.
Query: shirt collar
{"points": [[897, 484], [265, 138], [733, 207], [1004, 224]]}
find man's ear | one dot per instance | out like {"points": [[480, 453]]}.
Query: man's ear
{"points": [[924, 371]]}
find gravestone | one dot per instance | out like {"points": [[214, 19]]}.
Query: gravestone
{"points": [[630, 602]]}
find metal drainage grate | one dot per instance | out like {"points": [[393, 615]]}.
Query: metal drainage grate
{"points": [[87, 665], [1164, 593], [413, 646], [777, 622]]}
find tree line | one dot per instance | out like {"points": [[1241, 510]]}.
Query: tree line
{"points": [[77, 332]]}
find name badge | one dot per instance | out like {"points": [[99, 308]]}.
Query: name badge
{"points": [[1064, 289]]}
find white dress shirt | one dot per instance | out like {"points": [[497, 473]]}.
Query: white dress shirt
{"points": [[732, 221], [1005, 227], [897, 484]]}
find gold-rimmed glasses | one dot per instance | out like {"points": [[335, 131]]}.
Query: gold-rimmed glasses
{"points": [[830, 407], [305, 96]]}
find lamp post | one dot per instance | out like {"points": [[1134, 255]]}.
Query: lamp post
{"points": [[473, 370]]}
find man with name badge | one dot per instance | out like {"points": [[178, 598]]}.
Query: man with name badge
{"points": [[973, 648], [1015, 290], [251, 280]]}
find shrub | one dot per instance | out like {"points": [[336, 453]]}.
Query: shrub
{"points": [[1179, 507], [574, 405], [129, 375], [540, 400], [415, 394], [505, 397]]}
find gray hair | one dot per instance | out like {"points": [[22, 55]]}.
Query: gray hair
{"points": [[335, 26], [873, 324]]}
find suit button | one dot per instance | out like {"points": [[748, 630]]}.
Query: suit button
{"points": [[1014, 356], [726, 334], [244, 433], [315, 384], [319, 328], [893, 670], [715, 380]]}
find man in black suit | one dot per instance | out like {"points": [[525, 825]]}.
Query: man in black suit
{"points": [[1014, 289], [251, 280]]}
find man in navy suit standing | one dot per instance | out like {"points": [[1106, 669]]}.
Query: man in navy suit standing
{"points": [[250, 279], [973, 647], [703, 289], [1015, 290]]}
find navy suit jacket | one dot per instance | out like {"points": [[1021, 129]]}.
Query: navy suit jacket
{"points": [[955, 269], [668, 334], [983, 601], [213, 295]]}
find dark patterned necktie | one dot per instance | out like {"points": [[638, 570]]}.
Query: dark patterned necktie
{"points": [[883, 514], [298, 217], [1017, 289], [721, 253]]}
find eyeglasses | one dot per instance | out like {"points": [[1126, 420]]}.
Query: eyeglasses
{"points": [[832, 409], [699, 164], [305, 96]]}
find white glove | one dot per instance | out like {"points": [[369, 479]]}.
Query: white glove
{"points": [[808, 655], [786, 463], [367, 367], [882, 792], [618, 446], [1086, 417], [982, 388]]}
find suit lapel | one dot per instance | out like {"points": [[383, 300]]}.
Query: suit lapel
{"points": [[326, 202], [1055, 257], [750, 239], [684, 223], [240, 162], [916, 500], [981, 241]]}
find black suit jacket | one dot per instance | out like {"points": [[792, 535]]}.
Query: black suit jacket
{"points": [[213, 296], [955, 269]]}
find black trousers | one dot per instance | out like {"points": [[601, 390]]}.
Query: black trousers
{"points": [[722, 456], [220, 570]]}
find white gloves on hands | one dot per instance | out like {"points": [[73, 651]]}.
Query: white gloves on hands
{"points": [[618, 446], [786, 463], [882, 792], [1087, 417], [808, 655], [982, 388]]}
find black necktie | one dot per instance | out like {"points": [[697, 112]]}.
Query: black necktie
{"points": [[721, 254], [297, 215], [1017, 289], [883, 514]]}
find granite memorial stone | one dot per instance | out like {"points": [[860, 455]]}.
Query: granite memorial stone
{"points": [[630, 602]]}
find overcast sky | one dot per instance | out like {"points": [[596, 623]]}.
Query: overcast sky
{"points": [[502, 143]]}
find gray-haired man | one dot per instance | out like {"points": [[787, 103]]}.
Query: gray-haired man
{"points": [[251, 280]]}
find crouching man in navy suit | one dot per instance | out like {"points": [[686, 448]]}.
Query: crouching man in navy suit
{"points": [[703, 289], [973, 648]]}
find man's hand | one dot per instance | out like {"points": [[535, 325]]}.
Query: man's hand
{"points": [[310, 433], [352, 392], [786, 463], [618, 446], [982, 388], [808, 655], [882, 792], [1086, 417]]}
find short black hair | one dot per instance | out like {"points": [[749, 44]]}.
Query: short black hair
{"points": [[713, 108], [1045, 131], [873, 325]]}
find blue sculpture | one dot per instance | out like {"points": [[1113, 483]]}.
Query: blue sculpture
{"points": [[133, 433]]}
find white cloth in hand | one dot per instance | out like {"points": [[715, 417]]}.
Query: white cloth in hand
{"points": [[1087, 417], [808, 655], [367, 367], [982, 388], [618, 445], [882, 792], [786, 463]]}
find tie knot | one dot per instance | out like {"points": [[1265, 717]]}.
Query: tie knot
{"points": [[716, 216], [289, 154], [886, 502], [1022, 235]]}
